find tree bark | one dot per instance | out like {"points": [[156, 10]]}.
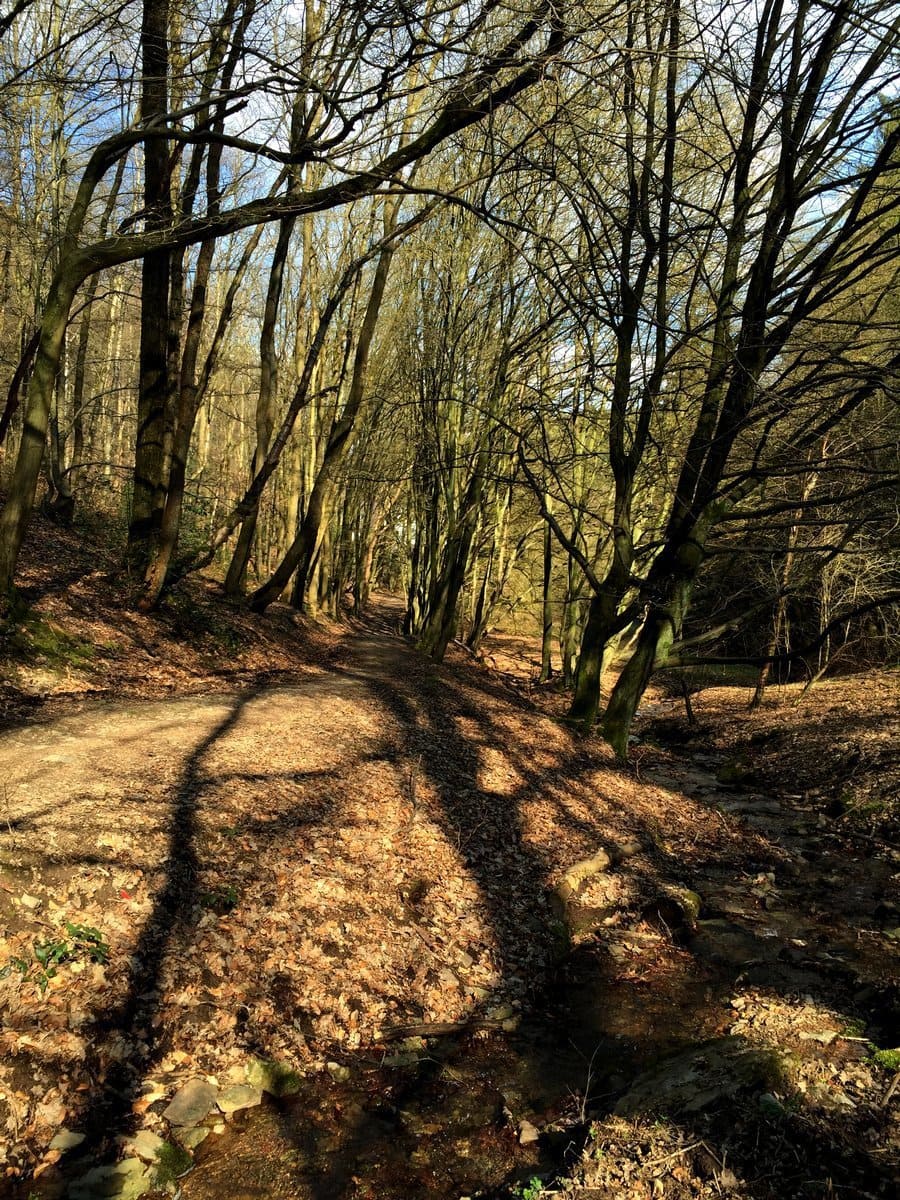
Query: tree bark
{"points": [[149, 490], [265, 406], [23, 486]]}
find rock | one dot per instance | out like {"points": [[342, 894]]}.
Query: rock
{"points": [[770, 1105], [736, 771], [701, 1076], [676, 910], [528, 1133], [66, 1139], [33, 903], [275, 1078], [146, 1145], [402, 1058], [238, 1096], [191, 1103], [729, 944], [825, 1036], [191, 1138], [338, 1073], [125, 1181]]}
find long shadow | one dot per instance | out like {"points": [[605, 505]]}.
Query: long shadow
{"points": [[108, 1110], [430, 709], [430, 706]]}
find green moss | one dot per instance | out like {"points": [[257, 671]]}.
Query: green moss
{"points": [[277, 1079], [37, 639], [171, 1163], [889, 1059]]}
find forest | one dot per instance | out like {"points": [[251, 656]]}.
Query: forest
{"points": [[449, 595]]}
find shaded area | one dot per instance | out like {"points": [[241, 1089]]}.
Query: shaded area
{"points": [[444, 1117]]}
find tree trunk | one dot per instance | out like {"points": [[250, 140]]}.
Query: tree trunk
{"points": [[302, 551], [547, 607], [265, 407], [440, 624], [188, 404], [149, 494], [672, 580], [23, 486]]}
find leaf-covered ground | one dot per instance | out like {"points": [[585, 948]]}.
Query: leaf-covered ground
{"points": [[364, 856]]}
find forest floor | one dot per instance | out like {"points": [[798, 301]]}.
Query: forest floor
{"points": [[280, 917]]}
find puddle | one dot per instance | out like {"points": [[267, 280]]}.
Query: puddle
{"points": [[443, 1127]]}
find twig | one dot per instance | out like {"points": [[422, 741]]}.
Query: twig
{"points": [[895, 1082], [653, 1162]]}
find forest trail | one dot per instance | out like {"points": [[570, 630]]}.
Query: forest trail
{"points": [[297, 872]]}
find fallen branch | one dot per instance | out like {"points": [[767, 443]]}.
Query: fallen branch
{"points": [[426, 1029], [895, 1082], [586, 868]]}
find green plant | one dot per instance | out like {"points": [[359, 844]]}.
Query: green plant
{"points": [[82, 943], [889, 1059], [36, 638], [531, 1190], [88, 942], [221, 899], [171, 1163]]}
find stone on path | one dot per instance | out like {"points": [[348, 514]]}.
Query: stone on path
{"points": [[700, 1076], [191, 1103], [528, 1133], [146, 1145], [240, 1095], [191, 1138], [275, 1078], [66, 1139], [125, 1180]]}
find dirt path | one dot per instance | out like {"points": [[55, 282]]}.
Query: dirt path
{"points": [[291, 873]]}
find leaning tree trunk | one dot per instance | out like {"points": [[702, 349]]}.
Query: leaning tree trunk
{"points": [[301, 554], [23, 486], [672, 578]]}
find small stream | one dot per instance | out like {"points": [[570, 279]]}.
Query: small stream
{"points": [[450, 1120], [450, 1123]]}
